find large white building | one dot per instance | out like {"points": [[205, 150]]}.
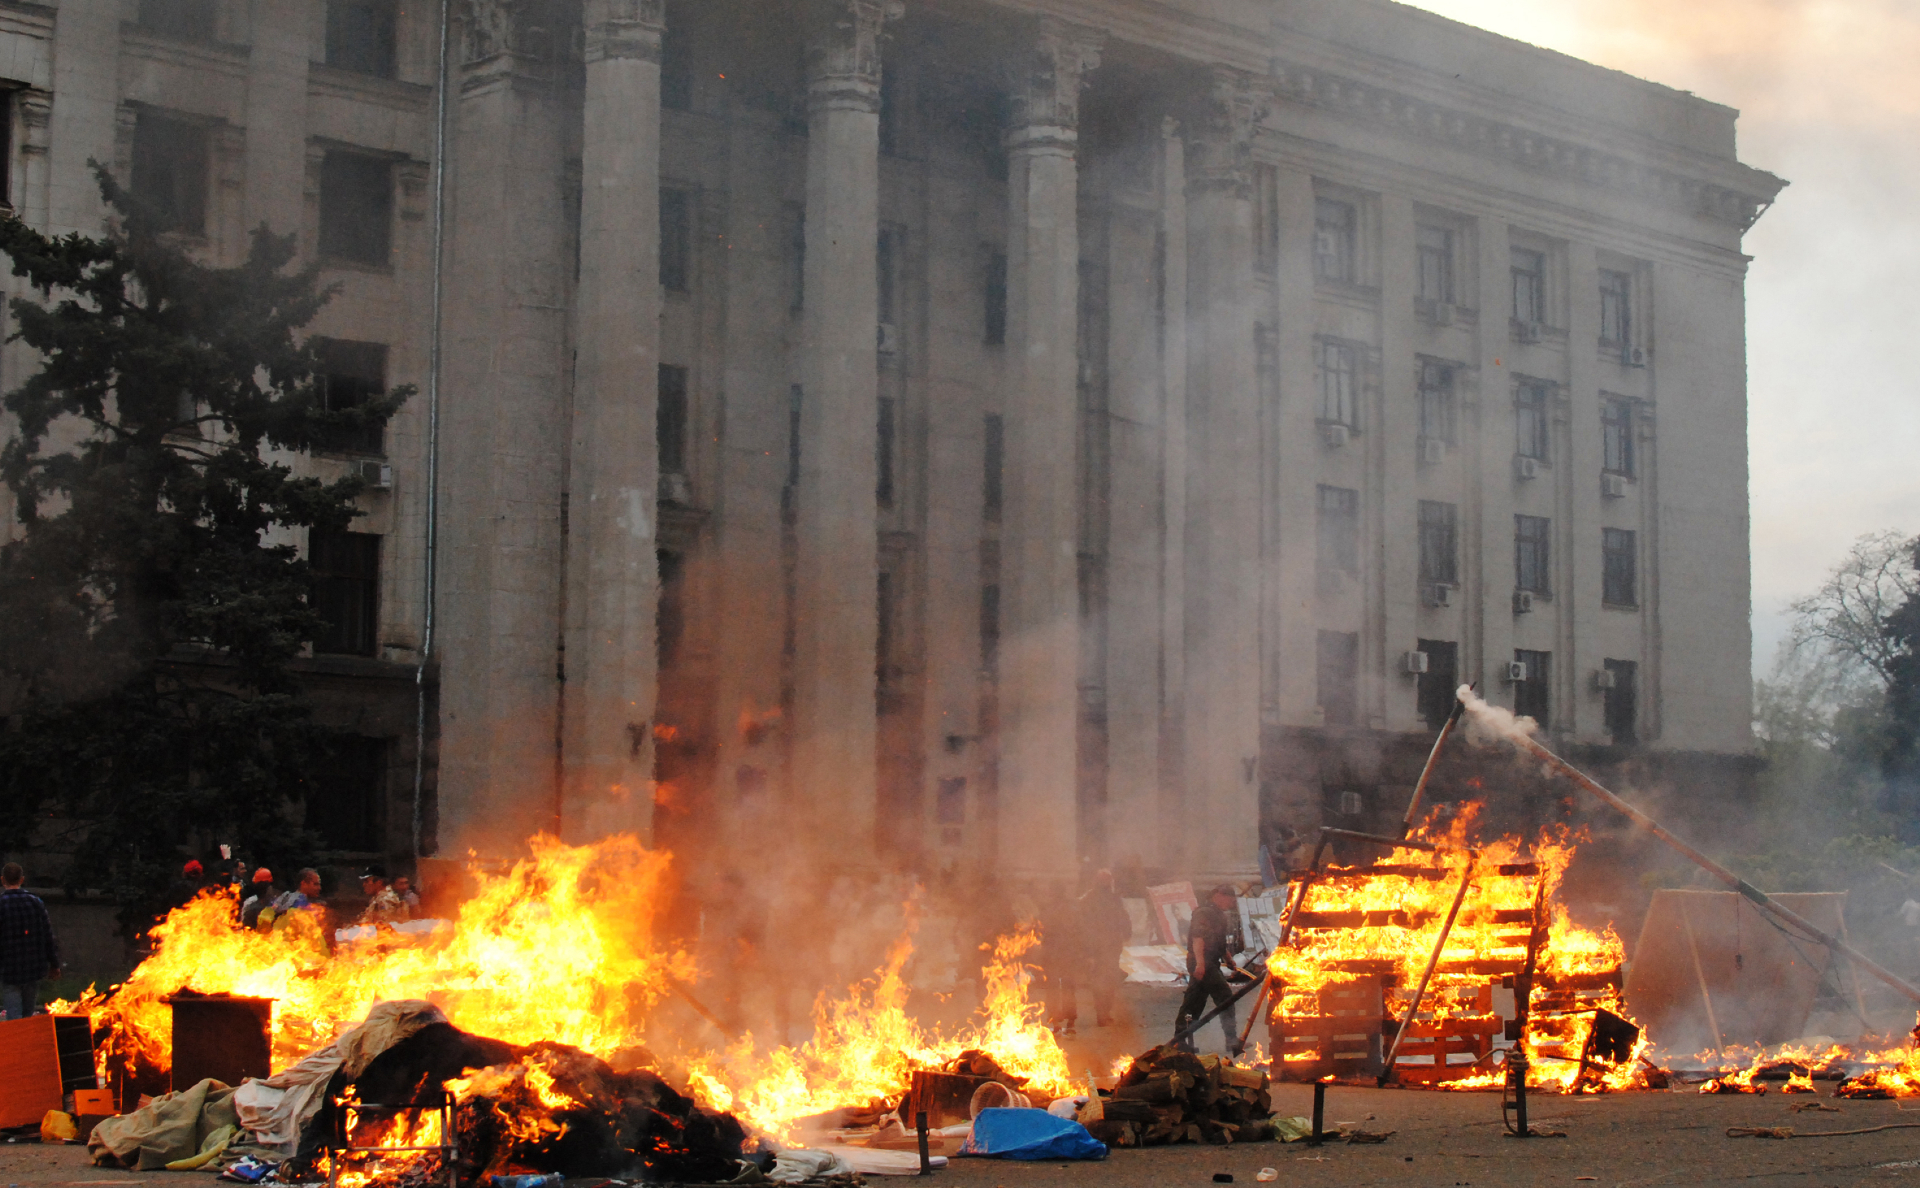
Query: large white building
{"points": [[1025, 431]]}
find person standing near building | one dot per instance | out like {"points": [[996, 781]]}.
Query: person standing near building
{"points": [[260, 896], [1209, 947], [28, 950], [1104, 930]]}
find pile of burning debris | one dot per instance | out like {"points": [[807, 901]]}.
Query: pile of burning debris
{"points": [[1169, 1096]]}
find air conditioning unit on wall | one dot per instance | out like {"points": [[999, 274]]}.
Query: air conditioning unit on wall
{"points": [[889, 338], [1414, 663], [378, 476], [1603, 679], [1526, 331], [1613, 486], [1433, 451], [1523, 602], [1516, 671], [1437, 595], [1336, 435], [1526, 468]]}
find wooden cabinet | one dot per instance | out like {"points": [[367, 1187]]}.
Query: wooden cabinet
{"points": [[42, 1059]]}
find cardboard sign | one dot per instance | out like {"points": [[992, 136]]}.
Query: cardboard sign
{"points": [[1173, 905]]}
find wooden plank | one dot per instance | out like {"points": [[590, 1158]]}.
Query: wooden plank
{"points": [[30, 1075]]}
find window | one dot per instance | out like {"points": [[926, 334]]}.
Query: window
{"points": [[1439, 686], [1532, 554], [345, 570], [346, 795], [990, 607], [994, 457], [950, 808], [893, 109], [797, 253], [889, 253], [1532, 697], [179, 18], [1436, 402], [1435, 245], [1337, 531], [670, 614], [1266, 218], [1616, 309], [676, 241], [1616, 435], [883, 455], [1529, 285], [1530, 420], [670, 419], [1619, 568], [1337, 383], [360, 36], [1623, 703], [1439, 543], [170, 171], [356, 208], [1334, 230], [7, 100], [351, 375], [1336, 675], [996, 295], [676, 66], [790, 491], [883, 666]]}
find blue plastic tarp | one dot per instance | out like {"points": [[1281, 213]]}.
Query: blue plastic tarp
{"points": [[1030, 1134]]}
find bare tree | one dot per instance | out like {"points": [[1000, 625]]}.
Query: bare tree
{"points": [[1846, 620]]}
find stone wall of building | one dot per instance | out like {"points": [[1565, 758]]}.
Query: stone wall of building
{"points": [[950, 433]]}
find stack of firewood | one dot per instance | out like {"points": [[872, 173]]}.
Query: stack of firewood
{"points": [[1168, 1096]]}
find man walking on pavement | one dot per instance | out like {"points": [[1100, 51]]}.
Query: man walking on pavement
{"points": [[1208, 947], [1104, 930], [28, 951]]}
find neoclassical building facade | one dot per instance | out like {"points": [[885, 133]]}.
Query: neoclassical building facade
{"points": [[1018, 433]]}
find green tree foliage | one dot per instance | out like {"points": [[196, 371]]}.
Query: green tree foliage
{"points": [[151, 608], [1901, 749]]}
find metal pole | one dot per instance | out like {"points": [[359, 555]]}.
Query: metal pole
{"points": [[1426, 772], [1700, 976], [1319, 1113], [920, 1129], [1758, 897], [1433, 962]]}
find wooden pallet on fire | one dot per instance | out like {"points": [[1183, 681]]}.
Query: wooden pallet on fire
{"points": [[1453, 1033]]}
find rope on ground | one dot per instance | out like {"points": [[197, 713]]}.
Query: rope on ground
{"points": [[1787, 1132]]}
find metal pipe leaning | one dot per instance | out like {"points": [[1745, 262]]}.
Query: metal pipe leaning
{"points": [[1757, 896], [1433, 963]]}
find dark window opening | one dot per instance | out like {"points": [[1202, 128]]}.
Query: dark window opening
{"points": [[670, 419], [676, 66], [170, 171], [883, 456], [797, 253], [1530, 420], [676, 240], [361, 35], [1337, 676], [1339, 384], [1616, 309], [352, 375], [1532, 694], [1619, 568], [1529, 272], [1266, 218], [670, 617], [790, 491], [996, 298], [1337, 531], [346, 795], [883, 667], [990, 629], [6, 148], [995, 455], [1335, 227], [1616, 436], [179, 18], [1439, 543], [893, 109], [356, 208], [1623, 702], [345, 571], [1532, 553], [889, 253], [950, 801], [1436, 402], [1439, 686], [1435, 246]]}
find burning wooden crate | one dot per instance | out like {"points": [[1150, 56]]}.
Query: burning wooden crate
{"points": [[1417, 947]]}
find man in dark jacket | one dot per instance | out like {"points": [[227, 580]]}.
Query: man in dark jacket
{"points": [[1104, 930], [28, 951], [1210, 944]]}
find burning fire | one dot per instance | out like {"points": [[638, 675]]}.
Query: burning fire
{"points": [[1367, 926], [560, 947]]}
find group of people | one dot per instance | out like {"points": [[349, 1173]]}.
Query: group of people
{"points": [[264, 906]]}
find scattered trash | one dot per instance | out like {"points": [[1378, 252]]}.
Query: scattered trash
{"points": [[58, 1127], [1223, 1177], [1268, 1175], [1030, 1134], [1367, 1136], [529, 1180], [1293, 1130]]}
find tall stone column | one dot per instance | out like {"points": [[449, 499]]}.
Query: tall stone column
{"points": [[1223, 486], [1039, 537], [836, 566], [613, 578]]}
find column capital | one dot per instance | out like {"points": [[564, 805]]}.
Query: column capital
{"points": [[1222, 137], [1046, 80], [619, 29], [843, 51]]}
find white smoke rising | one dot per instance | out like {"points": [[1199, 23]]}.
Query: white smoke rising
{"points": [[1491, 723]]}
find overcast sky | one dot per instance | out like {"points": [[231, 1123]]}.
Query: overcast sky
{"points": [[1829, 98]]}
